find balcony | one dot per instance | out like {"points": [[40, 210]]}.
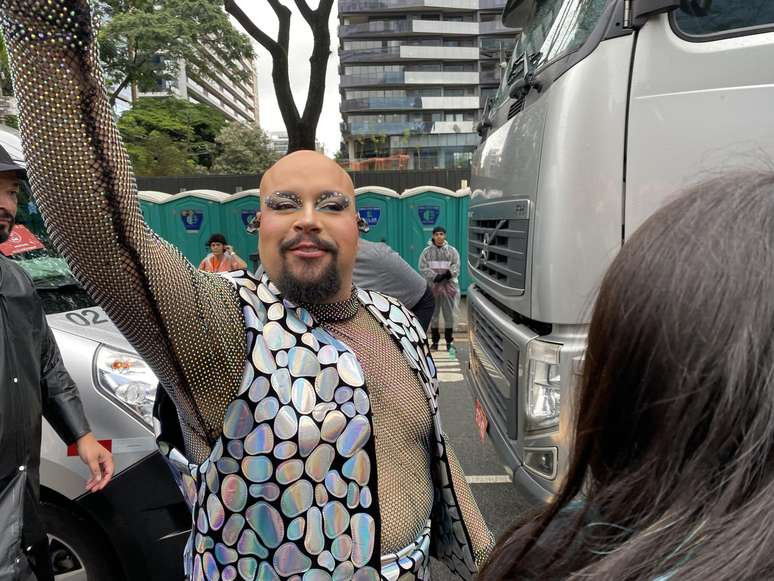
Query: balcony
{"points": [[440, 78], [491, 5], [450, 103], [385, 79], [370, 55], [371, 6], [381, 104], [407, 27], [408, 128], [495, 27], [492, 77], [409, 104], [442, 53]]}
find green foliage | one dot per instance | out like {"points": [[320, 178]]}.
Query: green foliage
{"points": [[142, 40], [243, 149], [170, 136]]}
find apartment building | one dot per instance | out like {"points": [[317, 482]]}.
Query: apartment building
{"points": [[233, 94], [237, 98], [415, 75]]}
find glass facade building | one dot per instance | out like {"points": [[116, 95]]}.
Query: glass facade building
{"points": [[415, 75]]}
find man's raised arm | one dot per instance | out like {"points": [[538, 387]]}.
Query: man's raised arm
{"points": [[186, 324]]}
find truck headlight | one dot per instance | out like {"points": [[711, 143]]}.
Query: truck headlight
{"points": [[544, 389], [126, 379]]}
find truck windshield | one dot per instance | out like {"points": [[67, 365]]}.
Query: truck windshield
{"points": [[56, 285], [560, 27]]}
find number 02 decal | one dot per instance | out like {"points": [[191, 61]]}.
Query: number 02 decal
{"points": [[87, 318]]}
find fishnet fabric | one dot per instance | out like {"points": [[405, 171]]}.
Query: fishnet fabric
{"points": [[403, 427], [185, 323], [479, 532]]}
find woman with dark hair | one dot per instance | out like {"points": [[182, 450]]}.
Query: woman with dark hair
{"points": [[672, 472]]}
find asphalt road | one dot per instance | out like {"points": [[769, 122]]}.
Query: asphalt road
{"points": [[498, 499]]}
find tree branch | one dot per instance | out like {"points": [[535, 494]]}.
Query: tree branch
{"points": [[279, 55], [259, 35], [318, 62], [306, 11], [283, 16], [120, 88]]}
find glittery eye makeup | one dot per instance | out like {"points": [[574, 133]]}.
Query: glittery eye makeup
{"points": [[330, 201], [279, 201]]}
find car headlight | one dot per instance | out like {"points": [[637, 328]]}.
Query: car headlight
{"points": [[544, 389], [126, 379]]}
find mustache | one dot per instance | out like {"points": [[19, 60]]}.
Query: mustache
{"points": [[5, 215], [312, 238]]}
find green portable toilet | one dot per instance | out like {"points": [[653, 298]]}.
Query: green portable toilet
{"points": [[238, 210], [463, 195], [152, 210], [380, 208], [422, 209], [191, 218]]}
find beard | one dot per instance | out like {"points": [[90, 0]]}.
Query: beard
{"points": [[5, 232], [322, 288]]}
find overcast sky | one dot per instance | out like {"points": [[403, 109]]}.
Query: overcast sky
{"points": [[300, 50]]}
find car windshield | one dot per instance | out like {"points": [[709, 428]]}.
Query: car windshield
{"points": [[559, 27], [53, 280]]}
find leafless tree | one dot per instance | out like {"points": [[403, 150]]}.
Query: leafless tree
{"points": [[301, 127]]}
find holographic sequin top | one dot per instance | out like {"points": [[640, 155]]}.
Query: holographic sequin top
{"points": [[292, 487]]}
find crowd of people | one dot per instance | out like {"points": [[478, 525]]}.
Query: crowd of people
{"points": [[301, 417]]}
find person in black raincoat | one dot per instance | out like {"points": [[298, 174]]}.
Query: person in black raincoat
{"points": [[33, 383]]}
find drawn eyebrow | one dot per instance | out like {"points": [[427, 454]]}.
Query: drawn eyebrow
{"points": [[334, 194], [275, 198]]}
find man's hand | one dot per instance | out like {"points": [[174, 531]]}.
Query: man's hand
{"points": [[445, 275], [99, 461]]}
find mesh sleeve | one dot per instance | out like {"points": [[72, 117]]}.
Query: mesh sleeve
{"points": [[186, 324]]}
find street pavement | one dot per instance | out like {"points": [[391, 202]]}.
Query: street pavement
{"points": [[497, 498]]}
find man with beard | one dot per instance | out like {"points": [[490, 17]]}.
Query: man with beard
{"points": [[34, 384], [302, 414]]}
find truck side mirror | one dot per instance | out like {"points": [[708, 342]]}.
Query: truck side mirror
{"points": [[644, 9]]}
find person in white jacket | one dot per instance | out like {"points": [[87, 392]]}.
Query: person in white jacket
{"points": [[440, 265]]}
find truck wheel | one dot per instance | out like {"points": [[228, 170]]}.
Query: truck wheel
{"points": [[77, 553]]}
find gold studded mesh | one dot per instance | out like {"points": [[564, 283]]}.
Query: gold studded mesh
{"points": [[186, 324], [403, 429]]}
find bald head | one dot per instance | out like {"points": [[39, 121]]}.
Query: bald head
{"points": [[306, 170]]}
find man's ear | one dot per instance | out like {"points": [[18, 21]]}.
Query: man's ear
{"points": [[362, 225]]}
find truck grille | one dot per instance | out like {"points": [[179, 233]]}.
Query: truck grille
{"points": [[497, 248], [490, 338], [494, 361]]}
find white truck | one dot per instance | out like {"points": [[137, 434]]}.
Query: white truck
{"points": [[607, 109]]}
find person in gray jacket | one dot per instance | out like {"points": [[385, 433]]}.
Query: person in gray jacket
{"points": [[33, 383], [379, 267], [439, 263]]}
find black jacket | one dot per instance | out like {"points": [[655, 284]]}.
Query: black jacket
{"points": [[33, 383]]}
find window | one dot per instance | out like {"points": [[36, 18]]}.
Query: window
{"points": [[702, 18], [362, 44], [560, 27]]}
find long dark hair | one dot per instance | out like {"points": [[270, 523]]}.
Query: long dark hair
{"points": [[674, 441]]}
